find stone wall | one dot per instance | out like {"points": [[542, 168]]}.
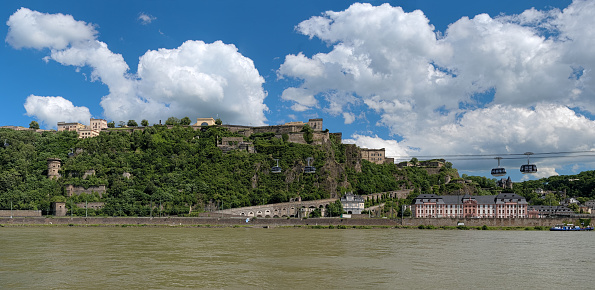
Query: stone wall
{"points": [[296, 138], [71, 190], [19, 213], [96, 205], [402, 194], [214, 219]]}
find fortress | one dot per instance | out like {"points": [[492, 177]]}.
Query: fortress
{"points": [[96, 125]]}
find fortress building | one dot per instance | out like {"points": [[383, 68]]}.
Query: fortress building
{"points": [[84, 131], [205, 121], [54, 168], [63, 126]]}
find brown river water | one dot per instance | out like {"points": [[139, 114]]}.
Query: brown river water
{"points": [[292, 258]]}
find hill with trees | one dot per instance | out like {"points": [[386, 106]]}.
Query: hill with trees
{"points": [[181, 171]]}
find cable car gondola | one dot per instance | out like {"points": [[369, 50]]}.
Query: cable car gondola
{"points": [[528, 168], [276, 169], [309, 169], [498, 171]]}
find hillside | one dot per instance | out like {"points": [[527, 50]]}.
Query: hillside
{"points": [[183, 170], [554, 189]]}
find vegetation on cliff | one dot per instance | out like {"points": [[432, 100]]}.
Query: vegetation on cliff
{"points": [[181, 170]]}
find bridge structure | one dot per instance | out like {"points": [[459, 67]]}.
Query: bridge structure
{"points": [[286, 209]]}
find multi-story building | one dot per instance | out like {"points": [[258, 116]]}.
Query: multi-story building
{"points": [[373, 155], [504, 205], [352, 204], [96, 125], [63, 126], [543, 211], [88, 133]]}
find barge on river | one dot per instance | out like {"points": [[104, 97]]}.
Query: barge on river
{"points": [[570, 227]]}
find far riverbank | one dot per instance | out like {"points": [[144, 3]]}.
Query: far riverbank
{"points": [[284, 222]]}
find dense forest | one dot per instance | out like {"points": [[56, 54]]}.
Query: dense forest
{"points": [[181, 170]]}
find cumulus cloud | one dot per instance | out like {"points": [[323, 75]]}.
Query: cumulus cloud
{"points": [[51, 110], [204, 79], [542, 172], [32, 29], [196, 79], [304, 100], [392, 147], [145, 18], [485, 85]]}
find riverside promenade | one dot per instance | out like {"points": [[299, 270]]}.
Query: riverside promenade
{"points": [[278, 222]]}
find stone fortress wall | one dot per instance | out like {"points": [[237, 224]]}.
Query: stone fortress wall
{"points": [[287, 209]]}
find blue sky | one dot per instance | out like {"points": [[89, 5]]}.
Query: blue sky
{"points": [[419, 78]]}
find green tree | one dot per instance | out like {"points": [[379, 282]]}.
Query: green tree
{"points": [[550, 199], [144, 123], [218, 122], [132, 123], [172, 121], [335, 208], [308, 134], [315, 213], [574, 207], [121, 124], [34, 125], [111, 124], [185, 121]]}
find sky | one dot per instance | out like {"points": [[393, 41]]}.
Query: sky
{"points": [[462, 80]]}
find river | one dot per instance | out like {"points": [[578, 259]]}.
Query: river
{"points": [[291, 258]]}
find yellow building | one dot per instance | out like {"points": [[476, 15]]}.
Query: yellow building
{"points": [[205, 121], [82, 130], [63, 126]]}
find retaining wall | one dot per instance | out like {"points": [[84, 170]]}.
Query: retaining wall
{"points": [[227, 221], [20, 213]]}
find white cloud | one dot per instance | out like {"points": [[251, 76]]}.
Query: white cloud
{"points": [[51, 110], [348, 117], [542, 172], [303, 99], [195, 79], [507, 129], [392, 147], [145, 18], [204, 79], [32, 29], [428, 86]]}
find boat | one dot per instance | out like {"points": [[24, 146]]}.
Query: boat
{"points": [[570, 227]]}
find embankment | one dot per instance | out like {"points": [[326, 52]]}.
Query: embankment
{"points": [[277, 222]]}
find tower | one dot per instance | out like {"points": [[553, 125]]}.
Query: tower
{"points": [[54, 168]]}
